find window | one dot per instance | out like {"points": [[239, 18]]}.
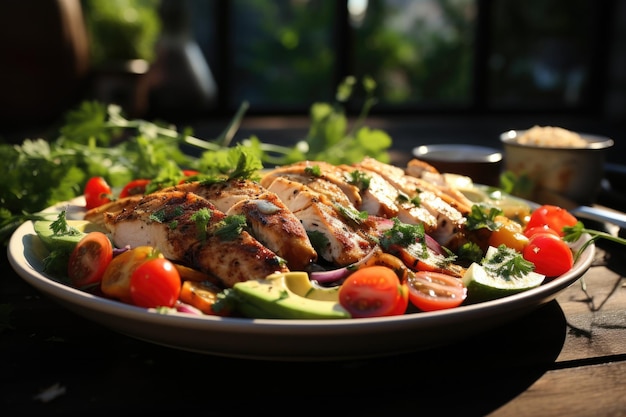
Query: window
{"points": [[425, 55]]}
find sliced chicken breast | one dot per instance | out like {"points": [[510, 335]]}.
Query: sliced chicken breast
{"points": [[169, 221]]}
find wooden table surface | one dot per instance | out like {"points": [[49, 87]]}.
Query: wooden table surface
{"points": [[567, 358]]}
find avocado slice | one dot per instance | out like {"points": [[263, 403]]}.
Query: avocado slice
{"points": [[67, 241], [287, 296]]}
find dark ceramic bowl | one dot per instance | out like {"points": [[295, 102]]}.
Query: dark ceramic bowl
{"points": [[482, 164]]}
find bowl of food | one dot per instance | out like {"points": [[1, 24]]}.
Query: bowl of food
{"points": [[481, 163], [555, 161]]}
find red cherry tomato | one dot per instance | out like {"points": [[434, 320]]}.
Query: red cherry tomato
{"points": [[374, 291], [430, 291], [89, 259], [540, 229], [155, 283], [134, 187], [188, 173], [550, 254], [553, 216], [115, 282], [97, 192]]}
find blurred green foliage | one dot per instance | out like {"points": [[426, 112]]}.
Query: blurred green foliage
{"points": [[121, 30]]}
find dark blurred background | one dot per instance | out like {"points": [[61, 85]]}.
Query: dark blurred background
{"points": [[446, 70]]}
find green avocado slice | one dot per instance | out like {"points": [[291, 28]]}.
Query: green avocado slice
{"points": [[272, 297], [63, 242]]}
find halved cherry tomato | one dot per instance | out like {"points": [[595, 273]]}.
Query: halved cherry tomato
{"points": [[550, 254], [89, 259], [97, 192], [116, 279], [374, 291], [155, 283], [554, 217], [134, 187], [430, 291], [202, 295], [529, 232]]}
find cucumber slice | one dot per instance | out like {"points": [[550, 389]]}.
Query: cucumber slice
{"points": [[483, 285]]}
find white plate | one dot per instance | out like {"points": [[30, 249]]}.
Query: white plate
{"points": [[301, 340]]}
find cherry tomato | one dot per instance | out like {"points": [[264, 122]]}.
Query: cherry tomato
{"points": [[155, 283], [97, 192], [188, 173], [553, 216], [116, 279], [134, 187], [430, 291], [550, 254], [540, 229], [374, 291], [89, 259]]}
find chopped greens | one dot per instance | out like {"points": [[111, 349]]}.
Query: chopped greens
{"points": [[482, 217], [202, 218], [230, 227], [314, 171], [360, 179], [402, 234], [508, 263], [351, 214]]}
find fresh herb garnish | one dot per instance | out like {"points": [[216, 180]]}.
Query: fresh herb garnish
{"points": [[402, 234], [351, 214], [230, 227], [319, 240], [61, 227], [481, 217], [314, 171], [202, 218], [359, 179], [98, 140], [575, 232], [508, 263]]}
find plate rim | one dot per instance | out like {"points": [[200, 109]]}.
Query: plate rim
{"points": [[79, 300]]}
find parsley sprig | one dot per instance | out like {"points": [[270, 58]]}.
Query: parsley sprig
{"points": [[508, 263], [98, 140], [575, 232]]}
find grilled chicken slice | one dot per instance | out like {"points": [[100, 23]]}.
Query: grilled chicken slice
{"points": [[381, 198], [278, 228], [343, 243], [270, 221], [166, 221], [420, 169], [96, 215], [449, 219], [318, 171]]}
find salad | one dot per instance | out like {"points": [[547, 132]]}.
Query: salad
{"points": [[406, 272]]}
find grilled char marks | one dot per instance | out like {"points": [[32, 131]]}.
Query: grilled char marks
{"points": [[269, 219], [166, 220], [338, 241], [274, 225]]}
